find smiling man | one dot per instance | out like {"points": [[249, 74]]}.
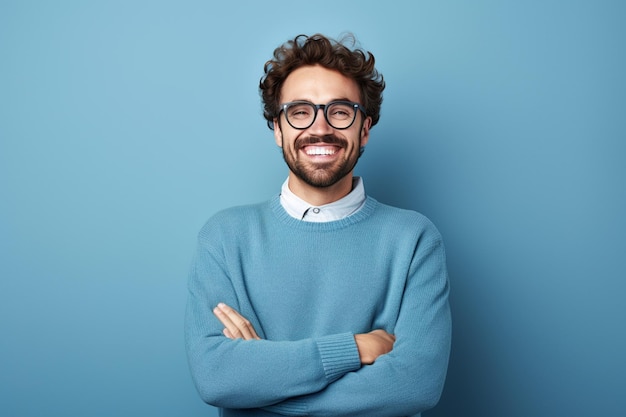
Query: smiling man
{"points": [[320, 301]]}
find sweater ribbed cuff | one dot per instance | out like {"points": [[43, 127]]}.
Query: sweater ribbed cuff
{"points": [[291, 407], [339, 355]]}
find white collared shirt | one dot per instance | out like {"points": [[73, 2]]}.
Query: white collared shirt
{"points": [[301, 210]]}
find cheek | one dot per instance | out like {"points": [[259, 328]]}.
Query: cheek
{"points": [[289, 139]]}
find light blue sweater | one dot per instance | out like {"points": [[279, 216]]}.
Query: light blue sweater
{"points": [[307, 288]]}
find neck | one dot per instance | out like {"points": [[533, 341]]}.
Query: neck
{"points": [[318, 196]]}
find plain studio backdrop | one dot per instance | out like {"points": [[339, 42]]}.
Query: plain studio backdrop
{"points": [[124, 125]]}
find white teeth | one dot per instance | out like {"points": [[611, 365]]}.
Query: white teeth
{"points": [[319, 151]]}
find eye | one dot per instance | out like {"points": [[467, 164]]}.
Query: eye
{"points": [[299, 111], [340, 111]]}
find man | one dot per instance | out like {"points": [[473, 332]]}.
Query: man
{"points": [[321, 301]]}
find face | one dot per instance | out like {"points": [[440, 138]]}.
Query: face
{"points": [[320, 156]]}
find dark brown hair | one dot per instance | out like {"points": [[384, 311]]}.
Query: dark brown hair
{"points": [[341, 56]]}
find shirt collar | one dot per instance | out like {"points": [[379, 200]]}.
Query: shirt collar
{"points": [[337, 210]]}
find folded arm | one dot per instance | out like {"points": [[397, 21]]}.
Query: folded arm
{"points": [[410, 378], [253, 373]]}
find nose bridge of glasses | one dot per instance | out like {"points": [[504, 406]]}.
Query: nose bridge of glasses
{"points": [[323, 108]]}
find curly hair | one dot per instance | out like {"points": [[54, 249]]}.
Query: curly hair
{"points": [[341, 56]]}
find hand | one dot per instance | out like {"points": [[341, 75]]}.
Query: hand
{"points": [[236, 326], [373, 344]]}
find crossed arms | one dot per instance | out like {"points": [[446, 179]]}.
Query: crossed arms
{"points": [[370, 345], [369, 373]]}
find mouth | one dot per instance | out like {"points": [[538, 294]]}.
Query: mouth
{"points": [[321, 150]]}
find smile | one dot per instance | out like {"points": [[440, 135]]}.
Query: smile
{"points": [[320, 150]]}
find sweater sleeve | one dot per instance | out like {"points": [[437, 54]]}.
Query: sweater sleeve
{"points": [[255, 373], [410, 378]]}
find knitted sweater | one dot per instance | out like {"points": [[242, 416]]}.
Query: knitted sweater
{"points": [[307, 288]]}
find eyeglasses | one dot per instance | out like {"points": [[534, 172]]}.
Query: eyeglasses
{"points": [[339, 114]]}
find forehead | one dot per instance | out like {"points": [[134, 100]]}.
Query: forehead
{"points": [[318, 85]]}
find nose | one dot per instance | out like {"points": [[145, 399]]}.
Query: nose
{"points": [[320, 126]]}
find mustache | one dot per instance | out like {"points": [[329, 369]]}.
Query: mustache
{"points": [[328, 139]]}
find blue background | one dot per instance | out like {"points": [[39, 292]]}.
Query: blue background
{"points": [[125, 124]]}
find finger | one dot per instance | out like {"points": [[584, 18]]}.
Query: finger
{"points": [[385, 335], [237, 325], [223, 318], [241, 327]]}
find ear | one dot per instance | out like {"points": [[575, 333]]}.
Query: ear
{"points": [[365, 131], [278, 134]]}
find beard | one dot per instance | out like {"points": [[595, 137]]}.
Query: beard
{"points": [[321, 175]]}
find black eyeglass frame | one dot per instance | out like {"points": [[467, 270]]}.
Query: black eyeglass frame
{"points": [[324, 107]]}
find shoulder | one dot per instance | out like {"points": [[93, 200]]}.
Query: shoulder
{"points": [[401, 214], [233, 220], [406, 222]]}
